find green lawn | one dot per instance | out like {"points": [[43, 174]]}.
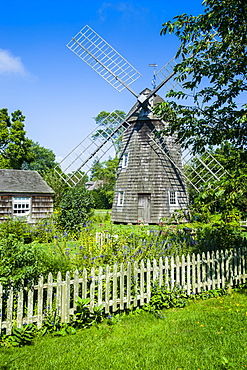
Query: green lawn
{"points": [[209, 334]]}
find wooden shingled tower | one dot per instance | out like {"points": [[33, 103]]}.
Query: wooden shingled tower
{"points": [[151, 179], [149, 186]]}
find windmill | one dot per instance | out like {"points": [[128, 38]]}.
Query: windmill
{"points": [[151, 178]]}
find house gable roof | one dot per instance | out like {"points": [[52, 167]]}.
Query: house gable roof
{"points": [[18, 181]]}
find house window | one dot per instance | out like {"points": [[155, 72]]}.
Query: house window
{"points": [[173, 201], [21, 206], [120, 199], [125, 160]]}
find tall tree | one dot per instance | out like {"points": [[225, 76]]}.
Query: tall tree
{"points": [[44, 159], [106, 173], [15, 147], [107, 123], [213, 71]]}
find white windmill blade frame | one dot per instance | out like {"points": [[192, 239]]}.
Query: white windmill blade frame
{"points": [[103, 59], [187, 157], [80, 159], [168, 69]]}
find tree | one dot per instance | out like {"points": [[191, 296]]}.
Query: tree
{"points": [[227, 197], [106, 173], [75, 208], [15, 147], [213, 70], [56, 183], [44, 159], [108, 122]]}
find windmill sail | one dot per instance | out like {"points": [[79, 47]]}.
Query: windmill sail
{"points": [[103, 59], [92, 148]]}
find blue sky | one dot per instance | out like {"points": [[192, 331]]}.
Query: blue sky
{"points": [[56, 91]]}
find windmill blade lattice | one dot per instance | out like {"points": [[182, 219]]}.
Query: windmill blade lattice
{"points": [[93, 148], [103, 58], [197, 170], [168, 71]]}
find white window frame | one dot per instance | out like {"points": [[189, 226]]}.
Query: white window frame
{"points": [[173, 197], [125, 160], [120, 198], [21, 206]]}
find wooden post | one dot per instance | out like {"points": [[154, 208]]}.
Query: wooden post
{"points": [[40, 302], [9, 312], [128, 284], [1, 307], [122, 273], [59, 294], [107, 289]]}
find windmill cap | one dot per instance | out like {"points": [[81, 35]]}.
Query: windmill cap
{"points": [[153, 100]]}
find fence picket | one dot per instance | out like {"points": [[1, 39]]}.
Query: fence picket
{"points": [[148, 281], [172, 278], [50, 293], [193, 263], [20, 305], [114, 291], [243, 265], [161, 269], [203, 278], [107, 289], [59, 294], [100, 291], [30, 306], [142, 283], [9, 312], [183, 276], [92, 289], [84, 284], [217, 270], [66, 298], [40, 302], [188, 264], [128, 285], [167, 282], [135, 273], [121, 293], [1, 307], [76, 289]]}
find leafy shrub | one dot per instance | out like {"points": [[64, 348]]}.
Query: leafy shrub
{"points": [[18, 261], [163, 297], [75, 208], [16, 229]]}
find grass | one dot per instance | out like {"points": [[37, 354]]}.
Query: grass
{"points": [[205, 335]]}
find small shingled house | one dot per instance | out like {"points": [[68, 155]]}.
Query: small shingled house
{"points": [[24, 194]]}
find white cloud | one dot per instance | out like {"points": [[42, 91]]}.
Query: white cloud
{"points": [[10, 64]]}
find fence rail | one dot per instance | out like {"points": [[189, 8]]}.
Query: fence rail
{"points": [[120, 286]]}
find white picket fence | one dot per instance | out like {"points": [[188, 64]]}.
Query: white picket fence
{"points": [[120, 286]]}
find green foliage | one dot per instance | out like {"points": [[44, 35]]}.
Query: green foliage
{"points": [[164, 297], [227, 197], [75, 208], [107, 123], [15, 148], [44, 159], [57, 184], [213, 70], [20, 336], [18, 262], [105, 173], [84, 318]]}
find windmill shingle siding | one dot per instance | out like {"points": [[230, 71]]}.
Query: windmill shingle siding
{"points": [[149, 175], [17, 184]]}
